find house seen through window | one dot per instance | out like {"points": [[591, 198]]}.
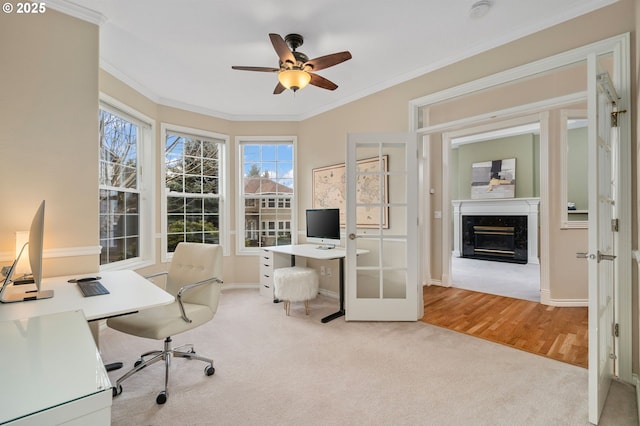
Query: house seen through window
{"points": [[267, 193]]}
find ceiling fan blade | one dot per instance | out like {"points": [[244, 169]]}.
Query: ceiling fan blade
{"points": [[281, 48], [328, 60], [322, 82], [279, 89], [261, 69]]}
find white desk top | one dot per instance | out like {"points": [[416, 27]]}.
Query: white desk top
{"points": [[48, 361], [312, 251], [129, 292]]}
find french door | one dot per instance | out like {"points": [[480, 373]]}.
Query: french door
{"points": [[603, 204], [381, 202]]}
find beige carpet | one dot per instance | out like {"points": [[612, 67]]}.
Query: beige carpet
{"points": [[278, 370]]}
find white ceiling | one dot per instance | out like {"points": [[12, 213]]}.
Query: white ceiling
{"points": [[180, 53]]}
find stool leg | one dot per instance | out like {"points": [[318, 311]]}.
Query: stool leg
{"points": [[306, 306], [287, 305]]}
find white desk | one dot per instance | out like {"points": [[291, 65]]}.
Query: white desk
{"points": [[313, 252], [52, 373], [129, 293]]}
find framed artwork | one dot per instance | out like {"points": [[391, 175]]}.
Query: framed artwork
{"points": [[493, 179], [330, 187]]}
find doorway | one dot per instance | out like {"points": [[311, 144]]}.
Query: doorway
{"points": [[467, 105], [494, 185]]}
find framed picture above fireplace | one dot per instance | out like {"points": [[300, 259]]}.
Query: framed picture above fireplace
{"points": [[493, 179]]}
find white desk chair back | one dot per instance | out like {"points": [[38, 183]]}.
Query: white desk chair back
{"points": [[192, 263], [194, 279]]}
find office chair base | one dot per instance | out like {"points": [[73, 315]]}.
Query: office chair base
{"points": [[184, 351]]}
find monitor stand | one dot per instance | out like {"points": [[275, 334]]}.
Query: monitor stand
{"points": [[326, 247], [27, 295]]}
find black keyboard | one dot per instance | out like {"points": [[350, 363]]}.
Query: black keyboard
{"points": [[92, 288]]}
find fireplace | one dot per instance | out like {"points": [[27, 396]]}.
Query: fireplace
{"points": [[499, 238], [493, 241]]}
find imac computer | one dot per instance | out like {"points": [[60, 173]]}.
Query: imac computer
{"points": [[35, 248], [323, 227]]}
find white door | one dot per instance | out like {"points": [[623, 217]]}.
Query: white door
{"points": [[381, 207], [603, 179]]}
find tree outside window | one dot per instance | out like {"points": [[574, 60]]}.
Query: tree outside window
{"points": [[119, 188], [192, 180]]}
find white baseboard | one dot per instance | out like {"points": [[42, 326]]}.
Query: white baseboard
{"points": [[331, 294], [322, 291], [545, 299], [239, 286]]}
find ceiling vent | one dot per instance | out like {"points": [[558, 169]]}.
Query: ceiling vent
{"points": [[479, 9]]}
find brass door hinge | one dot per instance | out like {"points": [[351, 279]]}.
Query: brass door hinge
{"points": [[614, 117]]}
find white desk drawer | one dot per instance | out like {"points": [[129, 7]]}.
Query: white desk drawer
{"points": [[266, 273]]}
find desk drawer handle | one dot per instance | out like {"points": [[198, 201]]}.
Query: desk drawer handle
{"points": [[267, 276], [266, 286], [266, 264]]}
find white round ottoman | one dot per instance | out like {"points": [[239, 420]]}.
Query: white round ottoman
{"points": [[295, 284]]}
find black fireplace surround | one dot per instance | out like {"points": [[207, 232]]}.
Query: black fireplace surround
{"points": [[498, 238]]}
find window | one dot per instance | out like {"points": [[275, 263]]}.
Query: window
{"points": [[266, 204], [124, 234], [194, 182]]}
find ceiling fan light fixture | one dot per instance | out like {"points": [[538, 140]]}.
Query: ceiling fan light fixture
{"points": [[294, 79]]}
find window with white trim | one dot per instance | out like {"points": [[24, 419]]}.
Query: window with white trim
{"points": [[266, 202], [125, 234], [194, 182]]}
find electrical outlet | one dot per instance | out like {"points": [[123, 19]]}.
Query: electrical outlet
{"points": [[322, 270], [328, 272]]}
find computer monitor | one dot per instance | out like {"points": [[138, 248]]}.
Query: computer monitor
{"points": [[8, 279], [323, 227], [35, 246]]}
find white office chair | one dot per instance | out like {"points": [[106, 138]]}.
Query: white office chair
{"points": [[193, 279]]}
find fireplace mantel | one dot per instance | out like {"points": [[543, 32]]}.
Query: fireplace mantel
{"points": [[499, 207]]}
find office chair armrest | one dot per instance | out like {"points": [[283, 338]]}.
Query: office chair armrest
{"points": [[188, 287], [157, 274], [162, 283]]}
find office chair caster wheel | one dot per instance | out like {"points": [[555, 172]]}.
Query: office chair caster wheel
{"points": [[161, 398], [209, 370], [138, 362], [116, 390]]}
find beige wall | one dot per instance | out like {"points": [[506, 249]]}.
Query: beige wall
{"points": [[48, 143], [237, 269], [387, 111], [48, 109]]}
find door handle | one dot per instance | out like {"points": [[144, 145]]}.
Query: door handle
{"points": [[602, 256], [352, 236]]}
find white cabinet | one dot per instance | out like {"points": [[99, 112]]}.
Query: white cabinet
{"points": [[52, 373], [269, 261], [266, 273]]}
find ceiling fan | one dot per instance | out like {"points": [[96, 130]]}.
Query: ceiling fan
{"points": [[295, 70]]}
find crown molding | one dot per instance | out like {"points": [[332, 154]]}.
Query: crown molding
{"points": [[77, 11]]}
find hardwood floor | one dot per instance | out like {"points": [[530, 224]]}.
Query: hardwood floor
{"points": [[555, 332]]}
